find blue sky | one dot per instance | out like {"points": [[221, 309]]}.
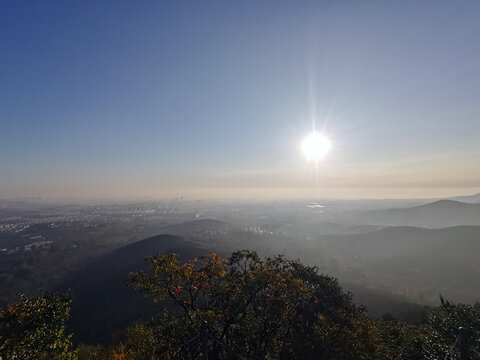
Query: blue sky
{"points": [[157, 98]]}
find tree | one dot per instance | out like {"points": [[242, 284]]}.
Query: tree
{"points": [[34, 328], [399, 341], [451, 332], [248, 307], [454, 332]]}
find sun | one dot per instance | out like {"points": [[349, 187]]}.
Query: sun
{"points": [[315, 146]]}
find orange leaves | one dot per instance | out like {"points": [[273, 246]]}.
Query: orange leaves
{"points": [[212, 265], [198, 286], [121, 354]]}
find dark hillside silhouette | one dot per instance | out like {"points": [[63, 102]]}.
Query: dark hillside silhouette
{"points": [[102, 302]]}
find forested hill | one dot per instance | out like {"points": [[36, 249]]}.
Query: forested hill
{"points": [[102, 301]]}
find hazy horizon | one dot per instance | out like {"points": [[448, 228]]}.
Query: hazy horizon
{"points": [[213, 100], [256, 195]]}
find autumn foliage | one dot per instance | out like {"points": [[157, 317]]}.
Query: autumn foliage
{"points": [[253, 308], [243, 307]]}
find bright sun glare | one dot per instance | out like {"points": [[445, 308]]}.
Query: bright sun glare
{"points": [[315, 146]]}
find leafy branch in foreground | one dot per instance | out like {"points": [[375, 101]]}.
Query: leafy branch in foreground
{"points": [[34, 328]]}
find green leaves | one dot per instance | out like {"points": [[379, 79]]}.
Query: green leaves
{"points": [[34, 328], [454, 332]]}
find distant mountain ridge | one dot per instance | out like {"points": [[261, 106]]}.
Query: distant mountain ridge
{"points": [[474, 198], [438, 214]]}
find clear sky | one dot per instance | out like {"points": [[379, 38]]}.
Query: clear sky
{"points": [[213, 98]]}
